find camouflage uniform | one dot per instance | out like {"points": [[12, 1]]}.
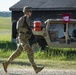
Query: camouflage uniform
{"points": [[22, 44]]}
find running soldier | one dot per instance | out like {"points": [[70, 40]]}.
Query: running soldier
{"points": [[23, 41]]}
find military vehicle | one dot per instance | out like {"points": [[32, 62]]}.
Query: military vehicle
{"points": [[57, 34]]}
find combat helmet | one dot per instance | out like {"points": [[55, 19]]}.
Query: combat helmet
{"points": [[27, 9]]}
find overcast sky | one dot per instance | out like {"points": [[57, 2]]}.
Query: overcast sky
{"points": [[5, 4]]}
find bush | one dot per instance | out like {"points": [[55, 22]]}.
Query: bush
{"points": [[58, 53]]}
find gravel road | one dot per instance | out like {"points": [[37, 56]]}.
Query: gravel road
{"points": [[30, 71]]}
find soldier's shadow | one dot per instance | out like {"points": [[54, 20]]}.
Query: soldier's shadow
{"points": [[21, 63], [18, 63]]}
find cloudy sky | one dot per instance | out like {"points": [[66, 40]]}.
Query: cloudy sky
{"points": [[5, 4]]}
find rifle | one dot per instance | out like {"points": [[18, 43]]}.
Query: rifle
{"points": [[32, 39]]}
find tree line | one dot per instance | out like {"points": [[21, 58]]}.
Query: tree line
{"points": [[5, 14]]}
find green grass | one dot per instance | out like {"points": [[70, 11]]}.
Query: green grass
{"points": [[5, 23], [5, 29], [5, 37]]}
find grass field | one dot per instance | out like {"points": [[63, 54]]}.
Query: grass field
{"points": [[5, 23], [5, 29]]}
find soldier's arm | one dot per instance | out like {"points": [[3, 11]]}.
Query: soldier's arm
{"points": [[20, 27]]}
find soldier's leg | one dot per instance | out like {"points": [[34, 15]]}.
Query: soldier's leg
{"points": [[31, 58], [12, 57]]}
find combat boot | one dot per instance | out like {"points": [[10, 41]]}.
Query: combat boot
{"points": [[12, 57], [5, 65], [31, 59], [38, 69]]}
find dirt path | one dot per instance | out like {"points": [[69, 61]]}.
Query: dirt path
{"points": [[30, 71]]}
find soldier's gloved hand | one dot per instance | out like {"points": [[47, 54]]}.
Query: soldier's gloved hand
{"points": [[28, 32]]}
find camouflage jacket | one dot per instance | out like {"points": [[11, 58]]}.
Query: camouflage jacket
{"points": [[21, 27]]}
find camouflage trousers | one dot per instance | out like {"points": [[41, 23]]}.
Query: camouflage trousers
{"points": [[23, 45]]}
